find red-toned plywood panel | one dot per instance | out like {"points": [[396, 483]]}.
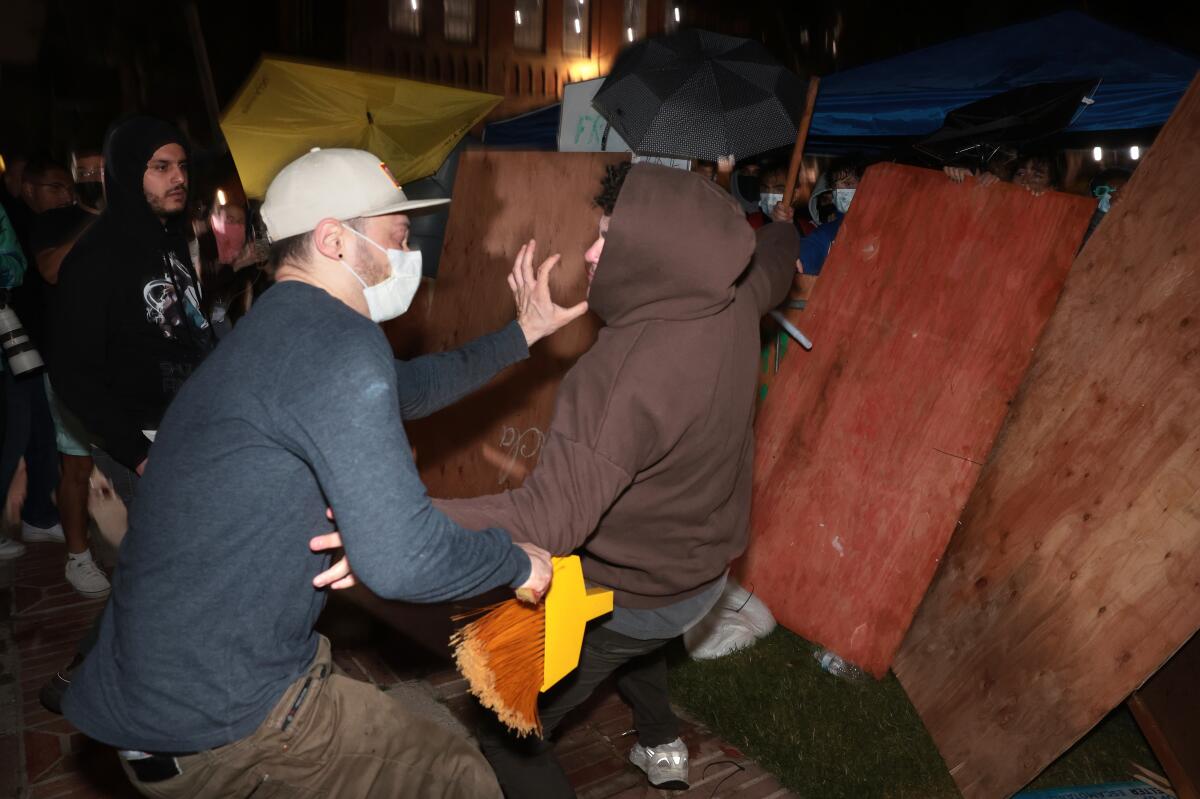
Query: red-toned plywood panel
{"points": [[924, 322]]}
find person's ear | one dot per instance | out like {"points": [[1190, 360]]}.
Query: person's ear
{"points": [[330, 239]]}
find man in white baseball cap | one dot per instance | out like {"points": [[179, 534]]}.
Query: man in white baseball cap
{"points": [[208, 676]]}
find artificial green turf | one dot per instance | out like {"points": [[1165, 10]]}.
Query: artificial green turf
{"points": [[827, 738]]}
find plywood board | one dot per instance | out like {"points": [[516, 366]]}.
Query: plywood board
{"points": [[490, 440], [923, 322], [1075, 572]]}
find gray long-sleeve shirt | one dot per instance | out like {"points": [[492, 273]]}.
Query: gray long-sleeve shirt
{"points": [[212, 608]]}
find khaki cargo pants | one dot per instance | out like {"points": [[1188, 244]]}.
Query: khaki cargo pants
{"points": [[331, 736]]}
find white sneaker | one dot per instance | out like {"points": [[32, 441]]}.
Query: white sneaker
{"points": [[42, 535], [666, 766], [9, 549], [87, 578]]}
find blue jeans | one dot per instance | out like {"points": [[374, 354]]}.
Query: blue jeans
{"points": [[29, 431]]}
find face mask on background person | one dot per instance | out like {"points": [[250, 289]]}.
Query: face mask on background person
{"points": [[842, 198], [1105, 195], [768, 201], [91, 194], [391, 297], [748, 186]]}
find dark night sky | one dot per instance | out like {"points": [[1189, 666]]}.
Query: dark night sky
{"points": [[97, 56]]}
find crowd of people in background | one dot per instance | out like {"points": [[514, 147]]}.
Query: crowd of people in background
{"points": [[47, 205], [758, 185]]}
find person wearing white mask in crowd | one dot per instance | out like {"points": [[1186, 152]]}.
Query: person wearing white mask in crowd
{"points": [[842, 178], [295, 420]]}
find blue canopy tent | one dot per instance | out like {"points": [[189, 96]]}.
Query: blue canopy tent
{"points": [[909, 95], [535, 130], [881, 104]]}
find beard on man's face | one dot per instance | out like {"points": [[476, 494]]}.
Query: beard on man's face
{"points": [[373, 268], [171, 203]]}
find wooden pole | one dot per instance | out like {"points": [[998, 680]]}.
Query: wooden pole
{"points": [[814, 84], [802, 284]]}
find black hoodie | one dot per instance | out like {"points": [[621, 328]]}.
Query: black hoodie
{"points": [[124, 342]]}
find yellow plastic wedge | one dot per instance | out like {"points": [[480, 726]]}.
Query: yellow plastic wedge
{"points": [[570, 605]]}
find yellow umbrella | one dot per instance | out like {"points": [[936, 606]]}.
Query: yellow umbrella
{"points": [[288, 107]]}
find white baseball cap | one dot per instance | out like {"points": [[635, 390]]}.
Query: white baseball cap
{"points": [[332, 184]]}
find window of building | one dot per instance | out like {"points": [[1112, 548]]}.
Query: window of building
{"points": [[634, 20], [576, 30], [460, 21], [529, 30], [404, 16], [674, 14]]}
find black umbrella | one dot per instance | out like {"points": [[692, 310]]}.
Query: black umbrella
{"points": [[1016, 118], [697, 94]]}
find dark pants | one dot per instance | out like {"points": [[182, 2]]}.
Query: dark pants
{"points": [[528, 768], [29, 432], [124, 480], [330, 736]]}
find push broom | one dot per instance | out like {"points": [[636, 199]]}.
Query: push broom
{"points": [[515, 651]]}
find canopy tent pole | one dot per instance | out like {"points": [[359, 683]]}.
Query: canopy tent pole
{"points": [[204, 73]]}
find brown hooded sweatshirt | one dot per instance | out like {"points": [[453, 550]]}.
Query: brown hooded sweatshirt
{"points": [[646, 468]]}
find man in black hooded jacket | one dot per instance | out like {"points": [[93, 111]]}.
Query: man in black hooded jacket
{"points": [[129, 329]]}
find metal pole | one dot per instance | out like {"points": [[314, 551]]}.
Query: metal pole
{"points": [[792, 331]]}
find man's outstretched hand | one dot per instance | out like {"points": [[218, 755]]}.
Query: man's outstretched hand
{"points": [[339, 575], [537, 313]]}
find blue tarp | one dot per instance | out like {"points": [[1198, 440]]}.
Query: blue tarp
{"points": [[909, 95], [536, 130]]}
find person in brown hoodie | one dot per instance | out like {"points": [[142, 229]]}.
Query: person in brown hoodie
{"points": [[646, 468]]}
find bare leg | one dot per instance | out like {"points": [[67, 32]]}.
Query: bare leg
{"points": [[73, 499]]}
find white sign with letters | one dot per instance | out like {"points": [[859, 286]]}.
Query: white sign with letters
{"points": [[581, 127]]}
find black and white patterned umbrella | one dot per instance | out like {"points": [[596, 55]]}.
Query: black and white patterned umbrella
{"points": [[697, 94]]}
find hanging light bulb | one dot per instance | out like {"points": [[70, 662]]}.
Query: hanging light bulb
{"points": [[518, 13], [414, 5], [578, 26], [677, 14], [1135, 152], [1097, 153], [220, 196], [629, 33]]}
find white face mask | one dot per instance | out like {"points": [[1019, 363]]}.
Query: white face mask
{"points": [[391, 297], [842, 198], [768, 201]]}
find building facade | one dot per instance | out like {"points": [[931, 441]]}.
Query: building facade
{"points": [[524, 50]]}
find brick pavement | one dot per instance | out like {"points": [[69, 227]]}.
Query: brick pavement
{"points": [[43, 757]]}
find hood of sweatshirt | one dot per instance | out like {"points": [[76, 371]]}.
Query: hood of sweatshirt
{"points": [[127, 150], [675, 247]]}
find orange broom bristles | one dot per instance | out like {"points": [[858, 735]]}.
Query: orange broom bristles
{"points": [[501, 655]]}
